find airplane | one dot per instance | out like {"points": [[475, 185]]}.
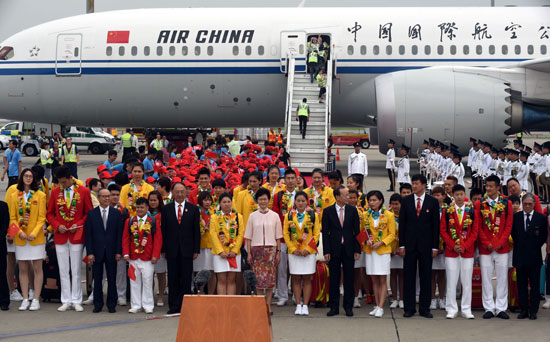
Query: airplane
{"points": [[414, 73]]}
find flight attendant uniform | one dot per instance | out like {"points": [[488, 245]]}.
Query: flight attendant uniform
{"points": [[300, 233], [381, 226], [224, 240]]}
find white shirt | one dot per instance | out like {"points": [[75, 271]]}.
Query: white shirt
{"points": [[338, 208], [390, 159], [177, 205], [421, 200], [461, 215], [357, 163], [104, 211], [71, 189], [525, 215]]}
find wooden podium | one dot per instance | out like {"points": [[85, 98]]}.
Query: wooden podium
{"points": [[224, 318]]}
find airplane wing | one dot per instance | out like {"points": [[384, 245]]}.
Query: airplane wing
{"points": [[539, 64]]}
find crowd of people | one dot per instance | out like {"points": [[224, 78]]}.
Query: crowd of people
{"points": [[174, 214]]}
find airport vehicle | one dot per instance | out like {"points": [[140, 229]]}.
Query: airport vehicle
{"points": [[445, 73], [349, 140]]}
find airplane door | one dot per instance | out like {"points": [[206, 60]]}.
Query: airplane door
{"points": [[68, 60], [293, 44]]}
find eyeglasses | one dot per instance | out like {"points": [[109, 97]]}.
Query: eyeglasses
{"points": [[28, 176]]}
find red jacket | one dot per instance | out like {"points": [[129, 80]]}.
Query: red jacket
{"points": [[467, 243], [194, 195], [83, 206], [499, 241], [153, 246]]}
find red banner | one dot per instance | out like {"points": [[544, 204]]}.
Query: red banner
{"points": [[118, 37]]}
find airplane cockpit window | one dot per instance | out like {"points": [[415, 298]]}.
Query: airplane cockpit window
{"points": [[197, 50], [350, 50], [134, 50], [389, 50], [172, 51], [517, 49], [159, 50], [210, 50], [440, 49], [466, 49], [121, 51], [184, 50], [530, 49], [401, 49], [109, 51], [453, 49], [543, 49], [235, 50], [376, 49], [146, 51], [492, 49], [427, 49], [6, 53], [248, 50], [479, 49], [504, 49], [414, 50]]}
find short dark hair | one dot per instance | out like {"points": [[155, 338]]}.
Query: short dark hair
{"points": [[261, 192], [475, 192], [21, 185], [419, 177], [338, 190], [224, 195], [318, 170], [405, 186], [512, 179], [122, 179], [114, 187], [289, 171], [514, 199], [113, 153], [14, 142], [63, 172], [274, 167], [376, 193], [301, 193], [245, 177], [257, 175], [38, 171], [453, 178], [355, 192], [336, 175], [93, 182], [219, 182], [357, 179], [138, 164], [202, 196], [396, 198], [203, 171], [493, 178], [165, 182], [142, 200], [438, 190], [152, 151], [458, 187]]}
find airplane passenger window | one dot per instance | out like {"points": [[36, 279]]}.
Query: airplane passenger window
{"points": [[388, 49], [440, 49], [248, 50], [210, 50], [108, 52], [350, 50], [146, 51], [376, 49], [6, 53], [172, 50], [401, 49], [453, 49], [76, 52], [466, 49], [479, 49], [427, 50], [159, 50], [530, 49], [197, 50], [235, 50], [184, 50], [121, 51], [414, 50], [517, 49], [300, 49], [543, 49], [261, 49], [134, 50], [504, 49], [492, 49], [363, 50]]}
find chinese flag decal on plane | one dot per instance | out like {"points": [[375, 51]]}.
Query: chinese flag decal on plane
{"points": [[118, 37]]}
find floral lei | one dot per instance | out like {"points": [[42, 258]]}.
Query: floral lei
{"points": [[24, 208], [230, 220], [140, 247], [135, 194], [62, 204], [466, 222], [286, 203], [498, 208], [253, 203], [307, 226], [317, 202], [382, 223]]}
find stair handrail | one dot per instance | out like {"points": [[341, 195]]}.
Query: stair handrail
{"points": [[328, 104], [289, 94]]}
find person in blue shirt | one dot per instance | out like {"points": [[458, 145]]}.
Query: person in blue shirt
{"points": [[149, 162], [12, 163], [110, 160], [172, 150], [221, 150]]}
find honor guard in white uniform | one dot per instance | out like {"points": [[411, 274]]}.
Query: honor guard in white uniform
{"points": [[423, 158], [390, 164], [357, 162], [511, 168], [493, 165], [403, 166], [523, 172], [473, 142], [477, 165], [539, 169], [531, 160], [457, 168]]}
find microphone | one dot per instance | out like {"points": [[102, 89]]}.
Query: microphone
{"points": [[250, 280], [200, 280]]}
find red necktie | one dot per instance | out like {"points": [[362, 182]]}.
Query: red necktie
{"points": [[418, 207], [341, 217], [179, 213]]}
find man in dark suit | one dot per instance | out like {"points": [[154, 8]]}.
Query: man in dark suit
{"points": [[418, 243], [181, 244], [340, 227], [103, 230], [4, 289], [529, 231]]}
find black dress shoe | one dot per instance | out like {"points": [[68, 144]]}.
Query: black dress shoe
{"points": [[503, 315], [390, 190], [426, 314], [488, 315], [332, 313], [96, 310], [171, 312], [349, 312], [533, 316], [408, 314], [523, 315], [112, 310], [4, 307]]}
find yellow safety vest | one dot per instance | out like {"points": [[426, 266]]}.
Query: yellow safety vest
{"points": [[271, 136], [157, 144], [70, 156], [303, 109], [126, 140], [43, 160], [321, 80], [312, 57], [279, 138]]}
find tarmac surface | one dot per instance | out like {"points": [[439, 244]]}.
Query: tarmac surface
{"points": [[49, 325]]}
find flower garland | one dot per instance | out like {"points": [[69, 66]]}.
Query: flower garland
{"points": [[24, 208], [253, 204], [382, 222], [316, 201], [487, 210], [231, 221], [71, 206], [135, 229], [466, 222], [286, 203], [134, 195], [307, 226]]}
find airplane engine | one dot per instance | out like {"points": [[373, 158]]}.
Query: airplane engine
{"points": [[445, 105]]}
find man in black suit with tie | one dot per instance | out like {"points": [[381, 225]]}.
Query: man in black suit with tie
{"points": [[340, 226], [529, 231], [418, 243], [103, 229], [181, 244]]}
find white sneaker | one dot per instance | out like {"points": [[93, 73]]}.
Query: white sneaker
{"points": [[401, 304], [356, 303], [88, 301], [433, 304], [298, 311], [149, 311], [16, 296], [134, 310], [281, 302], [122, 302], [373, 312], [468, 315], [451, 315], [78, 308], [63, 308], [31, 294], [305, 310], [160, 304], [24, 305], [546, 305], [394, 304], [442, 304], [35, 305], [379, 313]]}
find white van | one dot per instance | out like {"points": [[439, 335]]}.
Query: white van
{"points": [[93, 139]]}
